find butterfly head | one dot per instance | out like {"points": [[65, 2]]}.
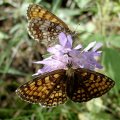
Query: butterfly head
{"points": [[70, 70]]}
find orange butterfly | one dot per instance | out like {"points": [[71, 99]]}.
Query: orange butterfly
{"points": [[54, 88], [44, 26]]}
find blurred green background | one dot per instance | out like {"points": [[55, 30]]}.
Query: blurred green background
{"points": [[94, 20]]}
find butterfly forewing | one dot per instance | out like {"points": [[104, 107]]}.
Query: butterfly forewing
{"points": [[47, 89], [37, 11], [44, 26], [90, 85]]}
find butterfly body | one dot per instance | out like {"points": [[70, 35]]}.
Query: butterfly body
{"points": [[54, 88], [71, 81]]}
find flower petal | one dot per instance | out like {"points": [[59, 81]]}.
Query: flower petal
{"points": [[97, 46], [78, 47], [56, 49], [62, 39], [90, 46], [69, 42]]}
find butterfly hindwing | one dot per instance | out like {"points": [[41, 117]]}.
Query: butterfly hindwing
{"points": [[90, 84], [44, 31], [45, 89]]}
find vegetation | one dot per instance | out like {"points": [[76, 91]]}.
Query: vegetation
{"points": [[95, 20]]}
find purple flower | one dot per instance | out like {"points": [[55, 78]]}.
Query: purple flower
{"points": [[63, 54]]}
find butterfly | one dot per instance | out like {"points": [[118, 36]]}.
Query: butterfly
{"points": [[44, 26], [56, 87]]}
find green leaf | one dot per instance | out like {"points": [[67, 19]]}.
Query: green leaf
{"points": [[114, 40], [82, 3], [13, 71], [111, 61]]}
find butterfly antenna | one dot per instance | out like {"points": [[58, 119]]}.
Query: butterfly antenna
{"points": [[75, 31]]}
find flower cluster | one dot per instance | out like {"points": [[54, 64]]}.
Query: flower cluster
{"points": [[63, 54]]}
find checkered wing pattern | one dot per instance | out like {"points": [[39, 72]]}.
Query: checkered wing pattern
{"points": [[37, 11], [47, 89], [44, 26], [90, 85]]}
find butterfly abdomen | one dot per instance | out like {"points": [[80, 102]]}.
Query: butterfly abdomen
{"points": [[71, 82], [70, 86]]}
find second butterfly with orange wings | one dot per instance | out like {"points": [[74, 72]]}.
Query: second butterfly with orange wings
{"points": [[44, 26]]}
